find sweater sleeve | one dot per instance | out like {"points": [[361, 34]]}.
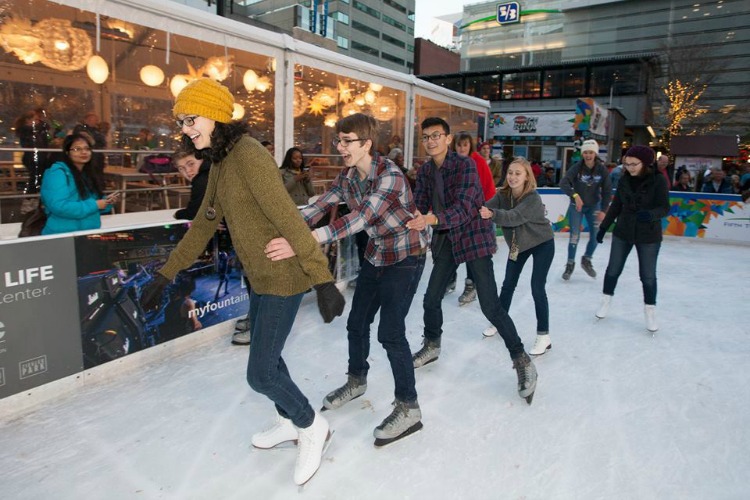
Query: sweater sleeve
{"points": [[567, 184], [522, 213]]}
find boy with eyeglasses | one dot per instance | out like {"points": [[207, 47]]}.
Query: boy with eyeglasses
{"points": [[448, 196], [380, 203]]}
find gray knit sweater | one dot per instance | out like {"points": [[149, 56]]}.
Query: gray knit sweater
{"points": [[246, 190], [525, 217]]}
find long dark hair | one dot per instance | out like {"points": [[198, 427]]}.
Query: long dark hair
{"points": [[87, 180], [223, 139], [287, 163]]}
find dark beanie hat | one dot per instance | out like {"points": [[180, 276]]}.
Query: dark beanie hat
{"points": [[643, 153]]}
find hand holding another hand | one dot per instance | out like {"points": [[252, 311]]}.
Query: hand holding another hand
{"points": [[486, 213]]}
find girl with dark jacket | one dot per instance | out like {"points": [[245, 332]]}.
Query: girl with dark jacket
{"points": [[639, 204]]}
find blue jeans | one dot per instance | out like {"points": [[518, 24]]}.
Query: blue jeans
{"points": [[574, 219], [271, 318], [389, 289], [543, 254], [648, 253], [484, 281]]}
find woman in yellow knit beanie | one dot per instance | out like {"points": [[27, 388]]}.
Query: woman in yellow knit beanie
{"points": [[245, 189]]}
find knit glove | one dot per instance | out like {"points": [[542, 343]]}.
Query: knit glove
{"points": [[151, 295], [600, 234], [644, 216], [330, 301]]}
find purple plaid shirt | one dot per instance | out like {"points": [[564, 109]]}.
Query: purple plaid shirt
{"points": [[382, 206], [471, 237]]}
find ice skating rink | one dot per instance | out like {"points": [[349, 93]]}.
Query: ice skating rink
{"points": [[618, 414]]}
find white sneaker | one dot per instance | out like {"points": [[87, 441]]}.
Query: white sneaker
{"points": [[282, 431], [489, 331], [650, 312], [310, 446], [541, 345], [601, 313]]}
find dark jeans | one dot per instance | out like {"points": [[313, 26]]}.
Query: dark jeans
{"points": [[648, 253], [489, 302], [543, 254], [389, 289], [575, 218], [271, 318]]}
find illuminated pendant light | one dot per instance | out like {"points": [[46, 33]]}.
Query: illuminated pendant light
{"points": [[152, 75], [177, 84], [330, 120], [97, 69], [250, 80], [237, 111]]}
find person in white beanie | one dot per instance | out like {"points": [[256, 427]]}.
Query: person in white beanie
{"points": [[589, 187]]}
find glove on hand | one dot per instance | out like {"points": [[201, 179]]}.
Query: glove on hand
{"points": [[644, 216], [600, 234], [330, 301], [151, 295]]}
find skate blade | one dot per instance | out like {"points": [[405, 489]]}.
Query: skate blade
{"points": [[427, 363], [381, 442], [529, 398], [285, 445], [325, 408], [322, 456], [541, 353]]}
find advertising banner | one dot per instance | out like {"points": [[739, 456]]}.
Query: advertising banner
{"points": [[525, 125], [113, 270], [591, 117], [39, 334]]}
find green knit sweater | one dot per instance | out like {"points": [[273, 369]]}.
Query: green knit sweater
{"points": [[246, 190]]}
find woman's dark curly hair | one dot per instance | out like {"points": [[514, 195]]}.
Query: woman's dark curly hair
{"points": [[87, 180], [287, 163], [223, 139]]}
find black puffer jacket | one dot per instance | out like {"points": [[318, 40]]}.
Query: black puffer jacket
{"points": [[647, 193]]}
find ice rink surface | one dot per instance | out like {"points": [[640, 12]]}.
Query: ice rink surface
{"points": [[618, 414]]}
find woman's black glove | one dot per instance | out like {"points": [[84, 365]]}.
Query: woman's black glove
{"points": [[330, 301], [600, 234], [151, 295], [644, 216]]}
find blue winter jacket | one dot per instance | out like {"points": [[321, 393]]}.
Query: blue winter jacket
{"points": [[65, 209]]}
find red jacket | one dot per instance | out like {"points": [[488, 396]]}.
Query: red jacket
{"points": [[485, 176]]}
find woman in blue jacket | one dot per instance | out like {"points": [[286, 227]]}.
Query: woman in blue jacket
{"points": [[72, 192]]}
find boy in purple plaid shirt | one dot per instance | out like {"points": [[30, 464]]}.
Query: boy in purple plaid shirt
{"points": [[380, 202], [448, 196]]}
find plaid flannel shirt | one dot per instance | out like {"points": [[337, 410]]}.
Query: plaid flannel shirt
{"points": [[471, 237], [382, 207]]}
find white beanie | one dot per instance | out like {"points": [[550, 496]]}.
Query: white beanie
{"points": [[590, 145]]}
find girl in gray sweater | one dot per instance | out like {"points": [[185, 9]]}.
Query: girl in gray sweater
{"points": [[518, 209]]}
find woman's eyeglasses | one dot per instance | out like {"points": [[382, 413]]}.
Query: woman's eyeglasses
{"points": [[80, 150], [187, 121]]}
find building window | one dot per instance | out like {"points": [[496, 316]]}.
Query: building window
{"points": [[450, 83], [364, 48], [410, 48], [411, 16], [484, 87], [393, 22], [617, 79], [522, 85], [340, 17], [365, 8], [365, 29], [342, 42], [395, 5], [410, 30], [388, 57], [394, 41], [569, 82]]}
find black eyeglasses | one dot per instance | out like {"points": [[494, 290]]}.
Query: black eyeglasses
{"points": [[433, 136], [346, 142], [188, 120]]}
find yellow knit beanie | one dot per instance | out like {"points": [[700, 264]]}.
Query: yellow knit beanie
{"points": [[207, 98]]}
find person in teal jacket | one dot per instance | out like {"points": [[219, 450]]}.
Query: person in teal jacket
{"points": [[72, 191]]}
